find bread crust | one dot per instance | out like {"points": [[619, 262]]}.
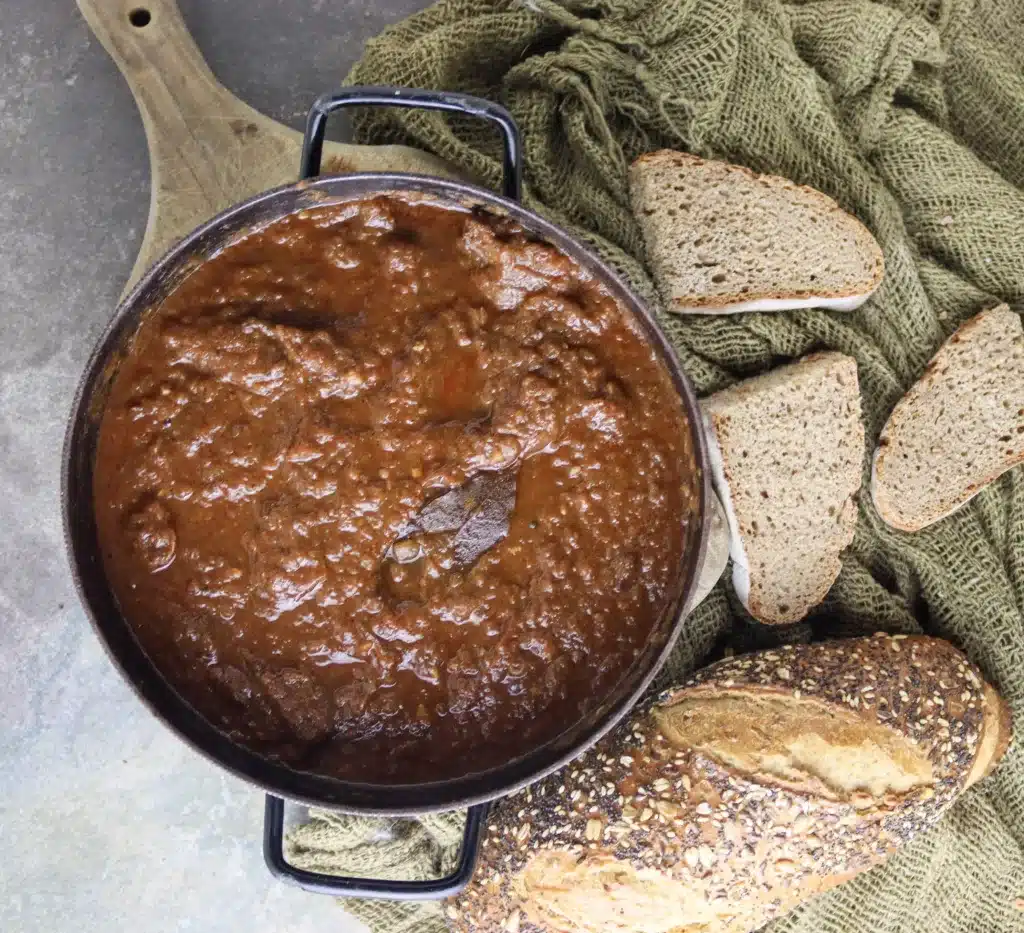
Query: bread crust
{"points": [[719, 413], [887, 498], [737, 302], [650, 817]]}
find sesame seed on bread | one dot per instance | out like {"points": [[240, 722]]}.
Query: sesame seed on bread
{"points": [[721, 239], [679, 821]]}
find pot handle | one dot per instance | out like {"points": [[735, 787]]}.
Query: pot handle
{"points": [[367, 95], [382, 888]]}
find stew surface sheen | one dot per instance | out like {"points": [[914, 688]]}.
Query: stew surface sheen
{"points": [[281, 421]]}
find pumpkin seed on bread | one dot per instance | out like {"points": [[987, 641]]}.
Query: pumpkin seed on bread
{"points": [[721, 239], [766, 779]]}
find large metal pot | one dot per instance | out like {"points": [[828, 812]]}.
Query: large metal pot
{"points": [[279, 781]]}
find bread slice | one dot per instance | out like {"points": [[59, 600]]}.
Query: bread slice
{"points": [[959, 427], [766, 779], [786, 453], [996, 735], [722, 239]]}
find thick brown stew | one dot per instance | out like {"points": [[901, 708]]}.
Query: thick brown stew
{"points": [[391, 491]]}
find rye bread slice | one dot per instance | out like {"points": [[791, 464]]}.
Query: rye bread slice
{"points": [[721, 239], [960, 427], [786, 455]]}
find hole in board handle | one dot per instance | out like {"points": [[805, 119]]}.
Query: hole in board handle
{"points": [[139, 17]]}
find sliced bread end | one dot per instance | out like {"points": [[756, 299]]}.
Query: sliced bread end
{"points": [[996, 735], [960, 426], [786, 452], [721, 239]]}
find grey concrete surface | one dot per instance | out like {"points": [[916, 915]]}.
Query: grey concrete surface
{"points": [[107, 822]]}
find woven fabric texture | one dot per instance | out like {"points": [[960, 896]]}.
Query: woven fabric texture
{"points": [[910, 113]]}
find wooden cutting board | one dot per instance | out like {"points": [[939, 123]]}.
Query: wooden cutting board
{"points": [[208, 149]]}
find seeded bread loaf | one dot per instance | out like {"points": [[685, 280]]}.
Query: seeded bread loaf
{"points": [[722, 239], [786, 454], [959, 428], [765, 780]]}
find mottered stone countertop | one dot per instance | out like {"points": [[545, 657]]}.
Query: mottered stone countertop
{"points": [[107, 821]]}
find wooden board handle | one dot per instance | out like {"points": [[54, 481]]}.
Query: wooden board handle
{"points": [[192, 122], [151, 45], [207, 149]]}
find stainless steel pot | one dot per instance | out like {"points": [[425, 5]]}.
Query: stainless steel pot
{"points": [[279, 781]]}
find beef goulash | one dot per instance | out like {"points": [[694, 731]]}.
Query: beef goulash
{"points": [[388, 489]]}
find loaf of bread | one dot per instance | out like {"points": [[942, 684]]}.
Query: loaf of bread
{"points": [[721, 239], [765, 780]]}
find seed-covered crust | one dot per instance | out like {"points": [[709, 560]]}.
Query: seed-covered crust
{"points": [[737, 849]]}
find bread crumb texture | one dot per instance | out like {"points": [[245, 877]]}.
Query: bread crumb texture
{"points": [[790, 450], [718, 235], [692, 817], [959, 428]]}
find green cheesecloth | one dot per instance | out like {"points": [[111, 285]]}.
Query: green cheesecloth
{"points": [[910, 113]]}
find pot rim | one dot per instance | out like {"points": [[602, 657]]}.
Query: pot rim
{"points": [[142, 675]]}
